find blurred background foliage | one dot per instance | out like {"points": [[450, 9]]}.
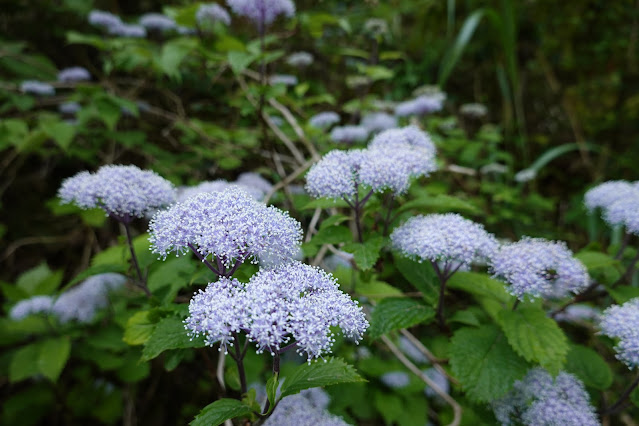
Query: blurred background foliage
{"points": [[559, 80]]}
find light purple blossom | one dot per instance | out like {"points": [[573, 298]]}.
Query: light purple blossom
{"points": [[339, 260], [31, 306], [622, 322], [255, 181], [285, 79], [441, 381], [577, 313], [37, 88], [448, 238], [539, 268], [378, 121], [308, 408], [474, 110], [262, 12], [395, 379], [422, 105], [605, 194], [69, 108], [82, 302], [293, 303], [525, 175], [540, 400], [212, 12], [128, 30], [105, 20], [412, 351], [349, 134], [121, 191], [157, 21], [324, 120], [229, 225], [73, 74], [625, 212], [184, 193], [299, 59]]}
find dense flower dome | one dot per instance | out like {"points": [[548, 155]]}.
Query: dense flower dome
{"points": [[622, 322]]}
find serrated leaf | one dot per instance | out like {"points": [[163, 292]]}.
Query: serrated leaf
{"points": [[589, 366], [139, 328], [239, 61], [24, 363], [53, 355], [221, 410], [366, 254], [173, 53], [421, 275], [535, 336], [169, 333], [319, 373], [484, 362], [395, 313], [480, 285]]}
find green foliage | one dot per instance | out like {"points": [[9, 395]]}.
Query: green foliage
{"points": [[223, 409], [421, 275], [485, 364], [589, 366], [367, 253], [395, 313], [319, 373], [167, 334], [534, 336]]}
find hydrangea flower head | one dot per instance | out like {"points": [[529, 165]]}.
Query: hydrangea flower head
{"points": [[444, 237], [106, 20], [538, 267], [540, 400], [335, 175], [324, 120], [441, 381], [255, 181], [308, 408], [81, 302], [625, 211], [157, 21], [31, 306], [37, 88], [69, 108], [349, 134], [214, 186], [622, 322], [299, 59], [604, 195], [212, 12], [229, 225], [422, 105], [73, 74], [262, 12], [412, 351], [123, 192], [378, 121], [290, 303], [285, 79], [395, 379], [127, 30], [409, 146]]}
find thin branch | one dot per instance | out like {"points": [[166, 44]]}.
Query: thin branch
{"points": [[457, 410], [203, 259], [615, 407], [296, 127], [286, 181], [313, 224]]}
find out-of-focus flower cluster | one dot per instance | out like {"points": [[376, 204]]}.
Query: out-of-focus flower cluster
{"points": [[619, 202], [622, 322], [252, 183], [262, 12], [308, 408]]}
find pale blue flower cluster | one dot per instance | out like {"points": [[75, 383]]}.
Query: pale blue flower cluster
{"points": [[123, 192], [113, 25], [74, 74], [422, 105], [539, 268], [69, 108], [308, 408], [285, 79], [157, 22], [32, 306], [211, 13], [324, 120], [378, 121], [447, 238], [349, 134], [412, 351], [619, 202], [252, 183], [621, 322], [540, 400], [37, 88], [262, 12], [578, 313], [395, 379], [79, 303], [128, 30], [291, 304], [440, 380], [474, 110], [392, 159], [299, 59], [230, 226]]}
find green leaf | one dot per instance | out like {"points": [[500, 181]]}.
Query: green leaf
{"points": [[535, 336], [53, 356], [332, 235], [465, 317], [319, 373], [439, 203], [324, 203], [24, 363], [623, 293], [480, 285], [169, 333], [139, 328], [271, 390], [62, 133], [375, 289], [602, 267], [239, 61], [484, 362], [454, 53], [421, 275], [108, 111], [173, 53], [366, 254], [39, 280], [395, 313], [221, 410], [589, 366]]}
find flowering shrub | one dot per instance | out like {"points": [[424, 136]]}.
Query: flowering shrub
{"points": [[312, 237]]}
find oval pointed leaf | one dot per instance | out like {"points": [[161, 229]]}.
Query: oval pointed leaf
{"points": [[221, 410], [319, 373], [589, 366], [395, 313]]}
